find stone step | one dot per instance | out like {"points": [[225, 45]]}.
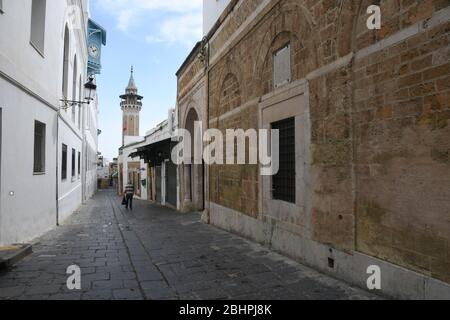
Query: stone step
{"points": [[10, 255]]}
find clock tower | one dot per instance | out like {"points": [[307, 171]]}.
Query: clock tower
{"points": [[131, 104], [96, 39]]}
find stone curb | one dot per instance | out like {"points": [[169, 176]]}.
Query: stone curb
{"points": [[7, 260]]}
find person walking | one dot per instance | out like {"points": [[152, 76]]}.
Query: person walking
{"points": [[129, 193]]}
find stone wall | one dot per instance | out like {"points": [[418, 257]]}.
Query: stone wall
{"points": [[379, 113], [236, 186], [249, 63], [189, 73], [402, 149]]}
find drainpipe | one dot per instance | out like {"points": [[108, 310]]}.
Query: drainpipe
{"points": [[83, 174], [57, 166], [206, 187]]}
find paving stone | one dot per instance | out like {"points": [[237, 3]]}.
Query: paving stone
{"points": [[66, 296], [123, 276], [98, 276], [156, 253], [11, 292], [211, 294], [131, 284], [127, 294], [107, 284], [161, 294], [34, 297], [42, 290], [102, 294]]}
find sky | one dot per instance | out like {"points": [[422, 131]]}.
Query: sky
{"points": [[155, 36]]}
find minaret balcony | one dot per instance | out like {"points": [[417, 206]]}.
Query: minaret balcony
{"points": [[137, 104]]}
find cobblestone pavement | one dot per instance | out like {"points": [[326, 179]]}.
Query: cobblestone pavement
{"points": [[157, 253]]}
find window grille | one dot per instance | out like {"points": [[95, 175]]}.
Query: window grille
{"points": [[73, 163], [283, 183], [39, 147], [64, 162]]}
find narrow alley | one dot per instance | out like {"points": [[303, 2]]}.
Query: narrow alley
{"points": [[155, 253]]}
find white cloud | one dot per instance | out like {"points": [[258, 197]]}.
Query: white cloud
{"points": [[124, 19], [171, 21], [184, 29], [165, 5]]}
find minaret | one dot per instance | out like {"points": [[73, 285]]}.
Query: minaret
{"points": [[131, 107]]}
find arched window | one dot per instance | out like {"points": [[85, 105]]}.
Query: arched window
{"points": [[80, 92], [65, 80], [37, 33], [74, 87], [282, 66]]}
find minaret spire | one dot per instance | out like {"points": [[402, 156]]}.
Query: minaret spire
{"points": [[132, 84]]}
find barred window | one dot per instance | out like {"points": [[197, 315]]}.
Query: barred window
{"points": [[39, 147], [283, 183], [64, 162], [79, 164], [73, 163]]}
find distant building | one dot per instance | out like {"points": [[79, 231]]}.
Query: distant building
{"points": [[212, 10], [113, 166], [102, 168], [48, 146], [114, 172], [156, 159], [103, 173], [146, 163]]}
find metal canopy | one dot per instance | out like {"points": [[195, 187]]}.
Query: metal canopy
{"points": [[155, 153]]}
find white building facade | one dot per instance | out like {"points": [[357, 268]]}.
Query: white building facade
{"points": [[149, 158], [47, 145], [212, 10]]}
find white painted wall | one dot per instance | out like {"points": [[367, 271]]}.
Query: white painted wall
{"points": [[69, 190], [133, 139], [31, 207], [30, 89], [212, 9]]}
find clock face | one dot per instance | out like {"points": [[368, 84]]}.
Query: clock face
{"points": [[94, 51]]}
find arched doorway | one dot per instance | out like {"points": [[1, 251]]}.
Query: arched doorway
{"points": [[193, 174]]}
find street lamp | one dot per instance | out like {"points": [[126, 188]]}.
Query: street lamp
{"points": [[89, 92]]}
